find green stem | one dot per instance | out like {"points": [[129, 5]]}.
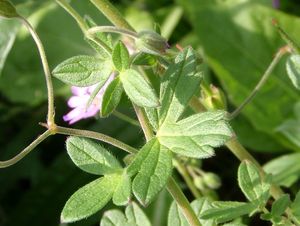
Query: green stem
{"points": [[126, 118], [261, 82], [96, 136], [144, 122], [111, 29], [182, 202], [39, 44], [26, 151], [83, 26], [187, 178], [112, 14]]}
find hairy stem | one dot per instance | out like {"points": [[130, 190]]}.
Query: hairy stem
{"points": [[262, 81], [96, 136], [126, 118], [111, 29], [26, 151], [112, 13], [144, 122], [39, 44]]}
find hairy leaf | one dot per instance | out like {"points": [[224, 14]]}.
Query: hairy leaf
{"points": [[197, 135], [153, 165], [111, 97], [133, 216], [176, 217], [83, 71], [251, 183], [89, 199], [120, 57], [296, 206], [226, 211], [91, 157], [138, 89], [293, 69], [122, 191], [179, 84], [280, 205]]}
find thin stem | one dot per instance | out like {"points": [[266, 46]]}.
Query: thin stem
{"points": [[188, 180], [38, 42], [126, 118], [144, 122], [96, 136], [182, 202], [83, 26], [64, 4], [262, 81], [26, 151], [112, 14], [112, 29]]}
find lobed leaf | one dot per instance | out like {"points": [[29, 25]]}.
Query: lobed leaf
{"points": [[153, 166], [138, 89], [111, 97], [197, 135], [122, 191], [83, 71], [89, 199], [120, 57], [91, 157]]}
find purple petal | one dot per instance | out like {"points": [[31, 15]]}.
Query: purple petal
{"points": [[76, 101], [79, 91]]}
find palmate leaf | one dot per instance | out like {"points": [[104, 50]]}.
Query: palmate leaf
{"points": [[91, 157], [133, 216], [152, 167], [83, 71], [197, 135]]}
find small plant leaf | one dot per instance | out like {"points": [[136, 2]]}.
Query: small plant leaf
{"points": [[122, 191], [176, 217], [296, 206], [144, 59], [226, 211], [89, 199], [7, 9], [252, 184], [153, 165], [91, 157], [111, 97], [120, 57], [197, 135], [178, 85], [280, 205], [138, 89], [152, 117], [83, 71], [293, 69], [133, 216]]}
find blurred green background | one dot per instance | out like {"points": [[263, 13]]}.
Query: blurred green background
{"points": [[237, 41]]}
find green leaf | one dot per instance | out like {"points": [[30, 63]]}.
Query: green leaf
{"points": [[83, 71], [251, 183], [280, 205], [153, 166], [176, 217], [9, 29], [238, 56], [178, 85], [293, 69], [152, 116], [197, 135], [120, 57], [138, 89], [285, 169], [7, 9], [89, 199], [91, 157], [144, 59], [111, 97], [296, 206], [122, 191], [134, 216], [226, 211]]}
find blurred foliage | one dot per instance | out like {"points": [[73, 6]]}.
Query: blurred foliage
{"points": [[237, 41]]}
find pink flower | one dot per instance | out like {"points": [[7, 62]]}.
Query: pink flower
{"points": [[79, 101]]}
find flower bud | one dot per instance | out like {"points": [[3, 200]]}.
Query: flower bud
{"points": [[212, 180], [7, 9], [151, 42], [213, 98], [199, 183]]}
